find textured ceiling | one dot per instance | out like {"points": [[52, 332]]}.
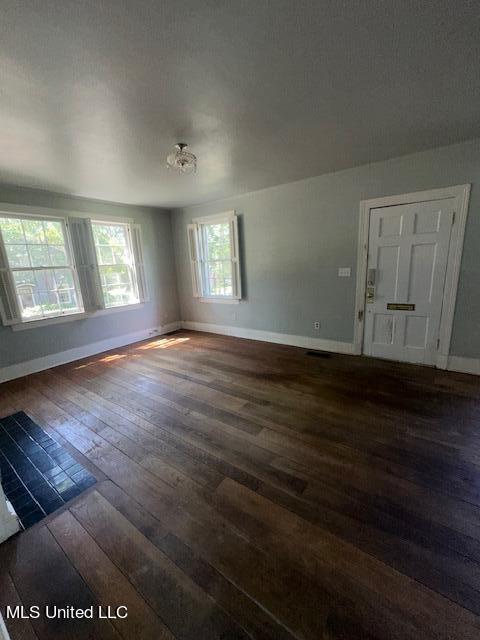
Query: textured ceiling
{"points": [[93, 94]]}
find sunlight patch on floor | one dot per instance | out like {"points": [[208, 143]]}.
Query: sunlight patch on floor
{"points": [[161, 343]]}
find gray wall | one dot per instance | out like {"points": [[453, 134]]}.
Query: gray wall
{"points": [[18, 346], [295, 236]]}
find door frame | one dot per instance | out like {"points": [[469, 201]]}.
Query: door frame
{"points": [[460, 195]]}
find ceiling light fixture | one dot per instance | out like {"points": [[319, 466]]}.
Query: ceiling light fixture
{"points": [[182, 160]]}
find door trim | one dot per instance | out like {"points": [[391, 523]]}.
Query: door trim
{"points": [[461, 195]]}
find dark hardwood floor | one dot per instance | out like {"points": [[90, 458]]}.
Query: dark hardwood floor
{"points": [[248, 490]]}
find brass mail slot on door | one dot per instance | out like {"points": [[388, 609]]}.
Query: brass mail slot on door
{"points": [[393, 306]]}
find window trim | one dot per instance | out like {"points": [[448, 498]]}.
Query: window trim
{"points": [[231, 218], [215, 217], [21, 213], [129, 236], [219, 300], [44, 322]]}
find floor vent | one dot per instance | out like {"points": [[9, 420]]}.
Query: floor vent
{"points": [[319, 354]]}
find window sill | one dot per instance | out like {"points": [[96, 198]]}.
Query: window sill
{"points": [[34, 324], [108, 310], [220, 300]]}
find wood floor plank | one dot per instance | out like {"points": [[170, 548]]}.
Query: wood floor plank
{"points": [[249, 491], [18, 628], [53, 582], [243, 609], [256, 621], [122, 418], [90, 411], [440, 559], [132, 510], [106, 581], [206, 434], [448, 478], [185, 608], [389, 492], [272, 525], [300, 604]]}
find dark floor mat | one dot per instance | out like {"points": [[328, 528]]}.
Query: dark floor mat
{"points": [[38, 474]]}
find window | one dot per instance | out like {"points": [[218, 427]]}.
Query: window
{"points": [[213, 244], [115, 264], [37, 273], [52, 267]]}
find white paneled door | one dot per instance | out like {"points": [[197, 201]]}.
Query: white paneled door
{"points": [[407, 263]]}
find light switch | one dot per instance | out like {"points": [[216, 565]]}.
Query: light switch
{"points": [[344, 272]]}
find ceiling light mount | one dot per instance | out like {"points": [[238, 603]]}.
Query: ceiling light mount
{"points": [[181, 160]]}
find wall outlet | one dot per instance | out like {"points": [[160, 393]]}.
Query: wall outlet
{"points": [[344, 272], [316, 325]]}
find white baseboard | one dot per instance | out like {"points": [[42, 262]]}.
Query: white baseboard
{"points": [[464, 365], [452, 363], [455, 363], [55, 359], [304, 342]]}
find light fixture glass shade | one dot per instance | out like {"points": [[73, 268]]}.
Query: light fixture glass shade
{"points": [[182, 160]]}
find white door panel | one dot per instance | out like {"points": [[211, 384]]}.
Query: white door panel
{"points": [[407, 259]]}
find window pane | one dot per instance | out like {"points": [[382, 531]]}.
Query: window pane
{"points": [[64, 279], [24, 278], [115, 264], [218, 241], [105, 255], [58, 256], [53, 232], [114, 275], [26, 287], [65, 290], [220, 278], [119, 295], [217, 247], [117, 286], [39, 255], [44, 280], [46, 293], [50, 303], [30, 308], [34, 243], [33, 231], [120, 255], [68, 299], [12, 231], [17, 255], [107, 234]]}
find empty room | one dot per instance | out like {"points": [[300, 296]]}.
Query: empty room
{"points": [[239, 320]]}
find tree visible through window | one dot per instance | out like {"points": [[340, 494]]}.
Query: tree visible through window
{"points": [[115, 264], [214, 259], [218, 259], [41, 267]]}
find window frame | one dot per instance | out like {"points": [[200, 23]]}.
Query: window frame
{"points": [[27, 212], [199, 264], [119, 222], [10, 210]]}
